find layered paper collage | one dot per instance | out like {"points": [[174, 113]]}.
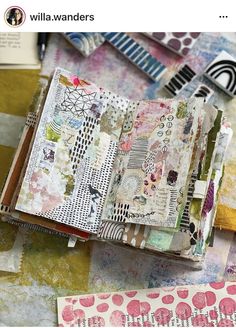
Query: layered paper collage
{"points": [[145, 173]]}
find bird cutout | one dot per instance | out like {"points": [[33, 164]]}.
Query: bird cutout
{"points": [[95, 198], [48, 154]]}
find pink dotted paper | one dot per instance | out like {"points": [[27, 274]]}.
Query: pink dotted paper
{"points": [[210, 305]]}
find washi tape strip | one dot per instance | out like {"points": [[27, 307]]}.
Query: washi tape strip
{"points": [[222, 72], [136, 54], [179, 42], [179, 81], [203, 91], [86, 43]]}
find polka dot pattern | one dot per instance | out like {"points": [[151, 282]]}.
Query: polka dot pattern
{"points": [[117, 319], [153, 295], [96, 321], [211, 305], [183, 311], [87, 301], [213, 314], [225, 323], [231, 290], [79, 315], [133, 308], [67, 313], [117, 299], [168, 299], [103, 296], [179, 42], [227, 306], [162, 316], [217, 285], [131, 294], [182, 293], [103, 307]]}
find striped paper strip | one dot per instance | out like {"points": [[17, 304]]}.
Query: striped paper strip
{"points": [[179, 81], [136, 54]]}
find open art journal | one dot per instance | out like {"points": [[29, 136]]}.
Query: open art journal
{"points": [[93, 164]]}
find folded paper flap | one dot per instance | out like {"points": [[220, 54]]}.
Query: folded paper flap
{"points": [[200, 188], [72, 241]]}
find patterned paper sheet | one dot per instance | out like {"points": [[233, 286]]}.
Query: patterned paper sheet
{"points": [[139, 178], [71, 161], [200, 210], [86, 43], [161, 146], [152, 166], [208, 305], [179, 42], [221, 71]]}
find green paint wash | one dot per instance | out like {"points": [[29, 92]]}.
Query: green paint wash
{"points": [[48, 261]]}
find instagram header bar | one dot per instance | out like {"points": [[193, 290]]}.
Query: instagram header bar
{"points": [[122, 15]]}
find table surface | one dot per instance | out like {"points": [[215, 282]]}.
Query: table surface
{"points": [[50, 269]]}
